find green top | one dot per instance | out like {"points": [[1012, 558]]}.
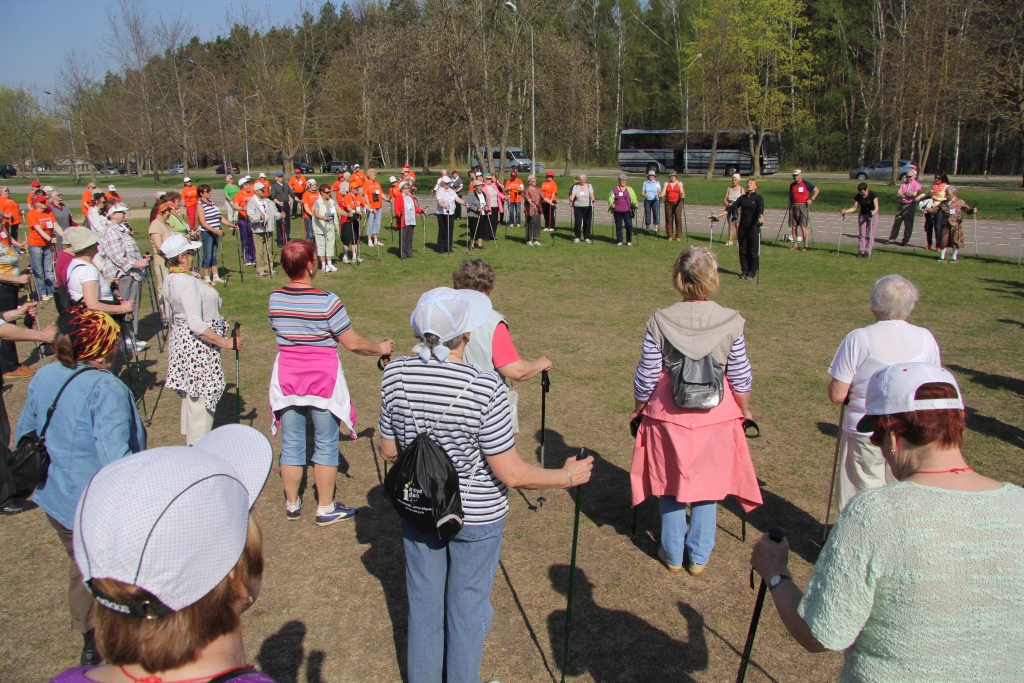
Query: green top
{"points": [[177, 225], [230, 190], [921, 584]]}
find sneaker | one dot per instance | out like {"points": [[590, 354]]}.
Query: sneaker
{"points": [[292, 515], [695, 569], [589, 242], [672, 568], [47, 297], [20, 371], [619, 244], [217, 280], [141, 344], [344, 259], [333, 268], [207, 281], [941, 258], [357, 259], [339, 513], [953, 260], [263, 273], [729, 243], [577, 241], [629, 244]]}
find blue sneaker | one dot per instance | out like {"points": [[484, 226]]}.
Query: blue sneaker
{"points": [[339, 513], [292, 515]]}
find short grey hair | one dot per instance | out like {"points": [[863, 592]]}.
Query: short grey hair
{"points": [[893, 298]]}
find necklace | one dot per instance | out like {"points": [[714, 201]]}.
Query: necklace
{"points": [[157, 679], [182, 271], [955, 470]]}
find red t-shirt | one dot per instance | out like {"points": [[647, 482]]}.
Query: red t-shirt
{"points": [[672, 192], [503, 351]]}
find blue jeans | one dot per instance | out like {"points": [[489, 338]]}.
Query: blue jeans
{"points": [[515, 213], [699, 540], [326, 431], [210, 244], [448, 582], [41, 259], [652, 208], [308, 223]]}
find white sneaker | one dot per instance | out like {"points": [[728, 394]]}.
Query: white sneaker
{"points": [[208, 281], [577, 241], [357, 259], [589, 242], [141, 344], [334, 268], [629, 244], [344, 259]]}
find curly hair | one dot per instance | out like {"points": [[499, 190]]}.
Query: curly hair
{"points": [[475, 274]]}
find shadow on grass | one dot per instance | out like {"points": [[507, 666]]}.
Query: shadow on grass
{"points": [[998, 429], [1008, 321], [615, 645], [828, 429], [991, 381], [281, 656]]}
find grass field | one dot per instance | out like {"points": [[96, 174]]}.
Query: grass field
{"points": [[333, 603], [998, 200]]}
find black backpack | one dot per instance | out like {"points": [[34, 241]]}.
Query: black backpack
{"points": [[695, 383], [423, 486], [26, 468]]}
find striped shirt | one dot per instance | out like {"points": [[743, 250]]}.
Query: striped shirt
{"points": [[307, 316], [415, 394], [648, 370], [211, 213]]}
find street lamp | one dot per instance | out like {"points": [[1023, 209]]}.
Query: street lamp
{"points": [[686, 134], [220, 125], [533, 91]]}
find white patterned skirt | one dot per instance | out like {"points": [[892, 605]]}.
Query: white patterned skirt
{"points": [[194, 366]]}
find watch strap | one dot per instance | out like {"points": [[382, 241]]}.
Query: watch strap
{"points": [[777, 579]]}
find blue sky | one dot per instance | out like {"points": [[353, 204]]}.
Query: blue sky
{"points": [[38, 33]]}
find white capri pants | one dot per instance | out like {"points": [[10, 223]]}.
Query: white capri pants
{"points": [[324, 237], [861, 466]]}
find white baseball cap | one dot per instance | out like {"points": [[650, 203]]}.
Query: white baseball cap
{"points": [[186, 179], [737, 176], [892, 390], [393, 179], [117, 208], [448, 313], [172, 521], [111, 188], [258, 186], [244, 179], [797, 171], [176, 245]]}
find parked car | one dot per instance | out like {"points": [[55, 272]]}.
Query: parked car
{"points": [[177, 168], [883, 170], [126, 170], [335, 167], [234, 168], [7, 170], [515, 158], [111, 170], [305, 168]]}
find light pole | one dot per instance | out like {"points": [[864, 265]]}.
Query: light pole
{"points": [[245, 129], [533, 92], [74, 156], [686, 133], [220, 125]]}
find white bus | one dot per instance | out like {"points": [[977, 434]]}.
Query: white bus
{"points": [[643, 151]]}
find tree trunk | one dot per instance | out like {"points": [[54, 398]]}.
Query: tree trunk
{"points": [[709, 174]]}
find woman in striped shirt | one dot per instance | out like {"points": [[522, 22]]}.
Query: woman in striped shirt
{"points": [[307, 380], [466, 412], [692, 455], [210, 222]]}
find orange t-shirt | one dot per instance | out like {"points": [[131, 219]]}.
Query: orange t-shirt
{"points": [[358, 179], [308, 200], [86, 202], [45, 220], [266, 187], [113, 197], [11, 210], [298, 185], [242, 198], [549, 188], [336, 186], [514, 188], [191, 195], [353, 201], [373, 194]]}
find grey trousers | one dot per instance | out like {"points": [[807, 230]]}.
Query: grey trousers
{"points": [[130, 289]]}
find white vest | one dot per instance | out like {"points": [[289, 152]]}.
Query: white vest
{"points": [[478, 350]]}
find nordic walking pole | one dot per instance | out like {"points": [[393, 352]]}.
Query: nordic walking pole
{"points": [[810, 227], [153, 299], [776, 534], [711, 237], [782, 222], [975, 231], [835, 467], [685, 226], [33, 295], [545, 387], [238, 393], [138, 370], [840, 242], [241, 271], [572, 576], [757, 280]]}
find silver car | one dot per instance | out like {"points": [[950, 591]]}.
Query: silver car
{"points": [[882, 170]]}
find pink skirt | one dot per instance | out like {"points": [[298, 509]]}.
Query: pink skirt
{"points": [[707, 462]]}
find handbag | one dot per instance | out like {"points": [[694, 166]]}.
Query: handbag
{"points": [[30, 461]]}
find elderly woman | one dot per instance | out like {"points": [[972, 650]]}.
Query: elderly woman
{"points": [[534, 208], [479, 221], [934, 197], [751, 216], [952, 231], [865, 203], [94, 423], [124, 263], [448, 580], [447, 201], [87, 286], [173, 570], [210, 231], [43, 229], [622, 205], [308, 382], [862, 353], [695, 455], [259, 209], [732, 193], [62, 214], [326, 221], [581, 198], [920, 580], [198, 333], [674, 196], [406, 209]]}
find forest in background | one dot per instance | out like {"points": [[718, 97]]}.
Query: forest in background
{"points": [[841, 83]]}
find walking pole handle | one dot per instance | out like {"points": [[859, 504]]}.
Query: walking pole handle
{"points": [[545, 381], [234, 336]]}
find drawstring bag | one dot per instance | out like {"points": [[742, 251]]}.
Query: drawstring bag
{"points": [[423, 486], [695, 383]]}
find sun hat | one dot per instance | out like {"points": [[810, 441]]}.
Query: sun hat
{"points": [[622, 176], [244, 179], [111, 188], [405, 167], [48, 189], [487, 175], [172, 521], [447, 313], [176, 245], [186, 179], [161, 194], [651, 174], [263, 175], [117, 208], [80, 239], [797, 171], [737, 176], [258, 186], [892, 389]]}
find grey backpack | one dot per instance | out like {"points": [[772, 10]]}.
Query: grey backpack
{"points": [[695, 383]]}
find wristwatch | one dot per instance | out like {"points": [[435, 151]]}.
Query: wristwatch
{"points": [[777, 579]]}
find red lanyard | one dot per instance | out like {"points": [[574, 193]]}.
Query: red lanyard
{"points": [[157, 679]]}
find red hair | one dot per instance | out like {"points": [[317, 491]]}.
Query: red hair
{"points": [[296, 257], [922, 427]]}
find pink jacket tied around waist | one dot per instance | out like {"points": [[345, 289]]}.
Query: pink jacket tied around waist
{"points": [[310, 376], [692, 455]]}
